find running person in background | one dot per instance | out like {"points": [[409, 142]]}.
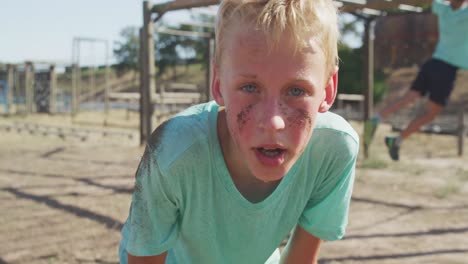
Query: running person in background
{"points": [[436, 77]]}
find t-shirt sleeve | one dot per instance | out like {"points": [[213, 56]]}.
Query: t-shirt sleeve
{"points": [[153, 218], [326, 214]]}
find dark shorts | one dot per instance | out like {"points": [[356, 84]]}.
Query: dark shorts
{"points": [[437, 79]]}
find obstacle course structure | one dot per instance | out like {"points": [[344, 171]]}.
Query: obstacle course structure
{"points": [[369, 10]]}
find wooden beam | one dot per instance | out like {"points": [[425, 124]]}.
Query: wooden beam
{"points": [[183, 4], [347, 5], [184, 33], [199, 24], [167, 98], [381, 4]]}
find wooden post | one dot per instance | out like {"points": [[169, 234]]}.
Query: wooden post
{"points": [[148, 70], [461, 131], [92, 82], [74, 89], [184, 4], [107, 81], [339, 102], [78, 87], [17, 91], [11, 86], [29, 85], [151, 73], [142, 84], [206, 95], [52, 89], [209, 68], [369, 73]]}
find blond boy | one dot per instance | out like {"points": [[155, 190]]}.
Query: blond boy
{"points": [[227, 181]]}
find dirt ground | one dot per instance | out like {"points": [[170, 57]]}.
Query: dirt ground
{"points": [[64, 200]]}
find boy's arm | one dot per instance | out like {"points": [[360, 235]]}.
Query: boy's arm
{"points": [[301, 248], [158, 259], [152, 225]]}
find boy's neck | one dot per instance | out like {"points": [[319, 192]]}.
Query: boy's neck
{"points": [[250, 187]]}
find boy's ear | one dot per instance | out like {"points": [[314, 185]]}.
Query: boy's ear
{"points": [[216, 87], [330, 92]]}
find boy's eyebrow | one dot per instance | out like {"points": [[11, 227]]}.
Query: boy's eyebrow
{"points": [[296, 80], [247, 75]]}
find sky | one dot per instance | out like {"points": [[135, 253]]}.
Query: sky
{"points": [[43, 30]]}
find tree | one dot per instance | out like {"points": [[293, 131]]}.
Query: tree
{"points": [[127, 50], [165, 50]]}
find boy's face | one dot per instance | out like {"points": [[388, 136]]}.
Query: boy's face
{"points": [[271, 101]]}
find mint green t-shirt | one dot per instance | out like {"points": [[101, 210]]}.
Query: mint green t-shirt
{"points": [[186, 203], [453, 34]]}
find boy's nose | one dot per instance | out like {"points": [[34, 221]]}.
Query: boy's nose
{"points": [[272, 118], [277, 122]]}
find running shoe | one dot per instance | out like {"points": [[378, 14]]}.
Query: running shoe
{"points": [[370, 126], [393, 145]]}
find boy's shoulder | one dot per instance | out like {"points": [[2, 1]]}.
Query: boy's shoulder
{"points": [[336, 125], [174, 137], [332, 136]]}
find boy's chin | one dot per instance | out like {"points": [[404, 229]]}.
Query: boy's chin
{"points": [[270, 179], [270, 175]]}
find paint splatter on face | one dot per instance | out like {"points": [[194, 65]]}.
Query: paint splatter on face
{"points": [[300, 119], [243, 116]]}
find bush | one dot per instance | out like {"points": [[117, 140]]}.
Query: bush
{"points": [[351, 74]]}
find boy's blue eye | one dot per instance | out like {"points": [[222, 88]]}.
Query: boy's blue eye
{"points": [[250, 88], [296, 91]]}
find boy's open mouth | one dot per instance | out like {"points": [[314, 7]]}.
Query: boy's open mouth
{"points": [[271, 155], [271, 152]]}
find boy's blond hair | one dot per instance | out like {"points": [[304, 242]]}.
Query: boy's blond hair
{"points": [[299, 18]]}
